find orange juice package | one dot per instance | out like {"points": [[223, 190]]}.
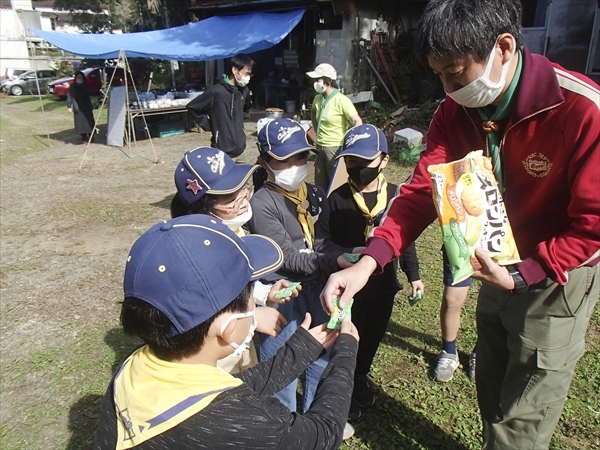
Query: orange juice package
{"points": [[471, 213]]}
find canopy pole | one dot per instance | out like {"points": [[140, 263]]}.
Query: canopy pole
{"points": [[37, 83], [166, 14]]}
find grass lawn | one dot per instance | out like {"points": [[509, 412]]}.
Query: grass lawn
{"points": [[64, 239]]}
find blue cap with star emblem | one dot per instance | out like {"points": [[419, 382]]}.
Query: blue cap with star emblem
{"points": [[282, 138], [364, 141], [193, 266], [208, 170]]}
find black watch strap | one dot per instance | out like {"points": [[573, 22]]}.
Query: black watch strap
{"points": [[520, 284]]}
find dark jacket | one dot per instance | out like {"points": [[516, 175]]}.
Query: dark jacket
{"points": [[249, 417], [78, 98], [224, 105], [275, 216], [347, 226]]}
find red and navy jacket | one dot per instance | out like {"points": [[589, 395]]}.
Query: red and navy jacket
{"points": [[550, 150]]}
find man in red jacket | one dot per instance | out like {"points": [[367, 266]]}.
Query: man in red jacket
{"points": [[539, 124]]}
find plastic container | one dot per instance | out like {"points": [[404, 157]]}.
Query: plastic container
{"points": [[166, 129], [290, 106], [408, 136]]}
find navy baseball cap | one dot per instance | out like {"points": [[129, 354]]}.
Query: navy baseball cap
{"points": [[192, 266], [282, 138], [208, 170], [364, 141]]}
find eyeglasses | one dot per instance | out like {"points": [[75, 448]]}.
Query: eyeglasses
{"points": [[236, 205]]}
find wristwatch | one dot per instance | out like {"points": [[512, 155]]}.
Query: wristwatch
{"points": [[520, 285]]}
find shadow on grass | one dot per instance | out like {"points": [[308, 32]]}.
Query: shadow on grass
{"points": [[165, 203], [399, 336], [390, 424], [69, 136], [84, 414]]}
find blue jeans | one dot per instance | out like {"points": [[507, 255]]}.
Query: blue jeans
{"points": [[294, 312]]}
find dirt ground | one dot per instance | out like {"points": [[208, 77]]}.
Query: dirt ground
{"points": [[65, 236]]}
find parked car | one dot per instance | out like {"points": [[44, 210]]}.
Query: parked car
{"points": [[95, 77], [27, 83], [11, 73]]}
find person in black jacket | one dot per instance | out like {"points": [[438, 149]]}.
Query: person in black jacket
{"points": [[355, 209], [224, 105], [188, 295], [79, 103]]}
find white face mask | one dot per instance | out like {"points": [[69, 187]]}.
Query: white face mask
{"points": [[290, 179], [238, 349], [243, 81], [237, 222], [319, 87], [482, 91]]}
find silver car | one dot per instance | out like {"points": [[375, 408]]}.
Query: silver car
{"points": [[26, 83]]}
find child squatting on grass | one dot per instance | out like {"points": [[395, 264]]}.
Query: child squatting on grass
{"points": [[188, 295], [210, 182]]}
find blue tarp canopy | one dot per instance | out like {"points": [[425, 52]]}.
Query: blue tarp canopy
{"points": [[213, 38]]}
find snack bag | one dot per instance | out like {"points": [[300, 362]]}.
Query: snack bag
{"points": [[471, 213], [287, 291], [335, 320]]}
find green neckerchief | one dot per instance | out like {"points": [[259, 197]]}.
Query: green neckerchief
{"points": [[490, 114], [324, 102]]}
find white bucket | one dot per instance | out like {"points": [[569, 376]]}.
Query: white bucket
{"points": [[290, 106]]}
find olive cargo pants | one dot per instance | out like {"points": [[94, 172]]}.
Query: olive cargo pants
{"points": [[527, 349]]}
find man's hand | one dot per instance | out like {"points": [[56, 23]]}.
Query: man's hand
{"points": [[345, 283], [493, 273], [416, 285], [269, 321], [321, 333]]}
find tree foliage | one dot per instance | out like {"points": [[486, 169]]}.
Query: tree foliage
{"points": [[125, 15]]}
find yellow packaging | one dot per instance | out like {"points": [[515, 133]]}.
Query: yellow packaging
{"points": [[471, 213]]}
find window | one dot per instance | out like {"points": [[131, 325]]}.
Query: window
{"points": [[534, 13]]}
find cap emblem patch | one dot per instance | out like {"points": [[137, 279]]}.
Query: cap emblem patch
{"points": [[286, 132], [356, 137], [217, 162], [193, 186]]}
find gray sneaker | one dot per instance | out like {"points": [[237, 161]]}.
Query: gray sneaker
{"points": [[447, 363]]}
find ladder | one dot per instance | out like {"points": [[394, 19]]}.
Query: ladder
{"points": [[385, 59]]}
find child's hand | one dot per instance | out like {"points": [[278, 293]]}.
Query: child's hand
{"points": [[269, 321], [358, 249], [271, 297], [416, 285], [321, 333], [349, 328]]}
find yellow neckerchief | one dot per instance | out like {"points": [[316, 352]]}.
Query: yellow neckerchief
{"points": [[360, 201], [304, 217], [152, 396], [240, 232]]}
